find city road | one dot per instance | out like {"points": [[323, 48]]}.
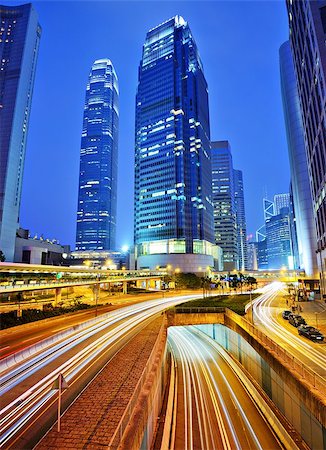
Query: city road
{"points": [[266, 315], [27, 397], [214, 410]]}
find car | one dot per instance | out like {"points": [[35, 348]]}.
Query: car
{"points": [[296, 320], [286, 314], [310, 333]]}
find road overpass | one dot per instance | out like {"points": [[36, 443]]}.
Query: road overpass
{"points": [[16, 278]]}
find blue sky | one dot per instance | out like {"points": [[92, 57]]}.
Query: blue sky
{"points": [[238, 43]]}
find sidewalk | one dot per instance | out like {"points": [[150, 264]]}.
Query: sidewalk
{"points": [[89, 423]]}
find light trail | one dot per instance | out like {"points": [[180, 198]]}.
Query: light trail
{"points": [[263, 311], [226, 415], [97, 340]]}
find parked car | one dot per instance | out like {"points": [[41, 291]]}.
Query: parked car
{"points": [[310, 333], [286, 314], [296, 320]]}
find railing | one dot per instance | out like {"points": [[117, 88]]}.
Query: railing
{"points": [[52, 284], [200, 310], [314, 379], [125, 419]]}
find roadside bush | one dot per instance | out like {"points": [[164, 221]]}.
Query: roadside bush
{"points": [[10, 319]]}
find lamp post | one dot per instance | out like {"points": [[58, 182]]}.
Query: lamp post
{"points": [[251, 305]]}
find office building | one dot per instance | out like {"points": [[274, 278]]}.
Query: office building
{"points": [[262, 258], [173, 193], [307, 23], [97, 197], [252, 255], [302, 199], [225, 217], [39, 250], [281, 201], [278, 241], [241, 220], [19, 43]]}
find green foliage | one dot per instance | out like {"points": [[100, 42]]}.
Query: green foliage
{"points": [[10, 319], [2, 256], [234, 302], [187, 280]]}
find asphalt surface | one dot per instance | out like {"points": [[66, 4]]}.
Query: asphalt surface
{"points": [[214, 410]]}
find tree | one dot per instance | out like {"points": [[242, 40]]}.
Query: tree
{"points": [[2, 256], [187, 280]]}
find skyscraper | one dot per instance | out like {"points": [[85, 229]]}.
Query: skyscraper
{"points": [[173, 194], [241, 219], [225, 217], [307, 22], [281, 201], [302, 200], [19, 43], [97, 198], [278, 241]]}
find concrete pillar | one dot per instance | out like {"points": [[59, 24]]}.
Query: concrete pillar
{"points": [[124, 287], [148, 283], [139, 283], [58, 295]]}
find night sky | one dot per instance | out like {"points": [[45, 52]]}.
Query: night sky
{"points": [[238, 43]]}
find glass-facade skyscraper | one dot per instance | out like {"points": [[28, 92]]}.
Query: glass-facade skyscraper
{"points": [[97, 198], [307, 23], [225, 216], [173, 193], [19, 43], [278, 241], [302, 199], [241, 219]]}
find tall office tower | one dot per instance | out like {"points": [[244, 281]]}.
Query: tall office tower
{"points": [[241, 220], [252, 252], [281, 201], [97, 198], [302, 200], [173, 206], [278, 241], [294, 232], [307, 22], [262, 259], [19, 43], [225, 217]]}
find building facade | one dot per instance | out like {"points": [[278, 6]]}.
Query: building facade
{"points": [[241, 220], [307, 23], [278, 241], [225, 217], [281, 201], [19, 43], [173, 194], [97, 197], [302, 199]]}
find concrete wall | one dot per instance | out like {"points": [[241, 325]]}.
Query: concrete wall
{"points": [[142, 424]]}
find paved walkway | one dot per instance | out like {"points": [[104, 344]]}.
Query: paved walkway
{"points": [[90, 422]]}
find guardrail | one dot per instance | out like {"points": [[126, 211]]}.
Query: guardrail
{"points": [[125, 419], [66, 283], [314, 379], [200, 310]]}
